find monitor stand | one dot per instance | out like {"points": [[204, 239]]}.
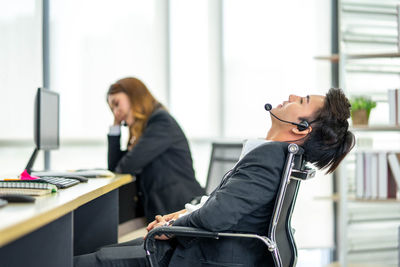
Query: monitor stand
{"points": [[29, 166]]}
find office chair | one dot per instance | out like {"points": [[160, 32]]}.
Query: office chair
{"points": [[223, 158], [279, 240]]}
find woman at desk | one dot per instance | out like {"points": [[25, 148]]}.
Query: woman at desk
{"points": [[158, 152]]}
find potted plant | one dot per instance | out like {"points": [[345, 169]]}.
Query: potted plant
{"points": [[360, 109]]}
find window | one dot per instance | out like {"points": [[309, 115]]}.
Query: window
{"points": [[20, 66], [122, 38], [20, 76], [269, 51], [194, 84]]}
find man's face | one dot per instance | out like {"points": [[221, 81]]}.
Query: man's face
{"points": [[297, 106]]}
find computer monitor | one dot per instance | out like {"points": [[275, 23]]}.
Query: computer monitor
{"points": [[46, 126]]}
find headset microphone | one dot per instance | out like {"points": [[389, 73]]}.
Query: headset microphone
{"points": [[268, 107], [303, 125]]}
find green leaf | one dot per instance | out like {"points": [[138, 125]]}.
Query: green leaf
{"points": [[362, 102]]}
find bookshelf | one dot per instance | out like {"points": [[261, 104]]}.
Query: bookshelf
{"points": [[336, 198], [375, 128], [336, 57], [368, 60], [355, 212]]}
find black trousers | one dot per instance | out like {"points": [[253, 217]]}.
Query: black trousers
{"points": [[128, 254]]}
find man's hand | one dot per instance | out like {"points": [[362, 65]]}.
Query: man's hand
{"points": [[159, 221], [163, 221], [165, 218]]}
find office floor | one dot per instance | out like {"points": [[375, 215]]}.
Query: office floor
{"points": [[132, 235]]}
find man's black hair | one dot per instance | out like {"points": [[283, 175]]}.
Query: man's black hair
{"points": [[330, 139]]}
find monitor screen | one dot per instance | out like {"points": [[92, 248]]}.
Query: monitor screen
{"points": [[46, 125]]}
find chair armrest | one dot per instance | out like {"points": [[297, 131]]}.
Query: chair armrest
{"points": [[149, 243]]}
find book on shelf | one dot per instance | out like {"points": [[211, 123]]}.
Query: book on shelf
{"points": [[392, 186], [360, 175], [374, 176], [368, 175], [393, 159], [382, 174], [26, 187], [394, 110], [377, 174]]}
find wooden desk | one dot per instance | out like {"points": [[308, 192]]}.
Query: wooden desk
{"points": [[73, 221]]}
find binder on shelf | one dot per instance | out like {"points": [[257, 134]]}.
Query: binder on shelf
{"points": [[395, 167], [382, 175], [377, 174], [374, 175], [359, 175], [367, 175], [397, 107], [394, 110], [392, 186]]}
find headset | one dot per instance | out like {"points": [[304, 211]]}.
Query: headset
{"points": [[303, 125]]}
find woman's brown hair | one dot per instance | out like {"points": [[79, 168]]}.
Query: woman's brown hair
{"points": [[142, 101]]}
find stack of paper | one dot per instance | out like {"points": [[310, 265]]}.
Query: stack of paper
{"points": [[85, 173], [24, 187]]}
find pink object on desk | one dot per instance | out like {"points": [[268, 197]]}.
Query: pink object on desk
{"points": [[26, 176]]}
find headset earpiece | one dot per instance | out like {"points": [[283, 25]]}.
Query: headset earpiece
{"points": [[303, 125]]}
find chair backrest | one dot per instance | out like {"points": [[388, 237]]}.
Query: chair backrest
{"points": [[223, 157], [280, 230]]}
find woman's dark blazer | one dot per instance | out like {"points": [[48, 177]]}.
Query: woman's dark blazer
{"points": [[162, 164], [243, 202]]}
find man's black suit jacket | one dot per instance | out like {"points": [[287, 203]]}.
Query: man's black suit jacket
{"points": [[243, 202]]}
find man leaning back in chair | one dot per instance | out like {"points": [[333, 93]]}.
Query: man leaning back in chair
{"points": [[244, 200]]}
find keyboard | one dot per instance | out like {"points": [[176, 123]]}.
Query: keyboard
{"points": [[69, 176], [60, 182]]}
